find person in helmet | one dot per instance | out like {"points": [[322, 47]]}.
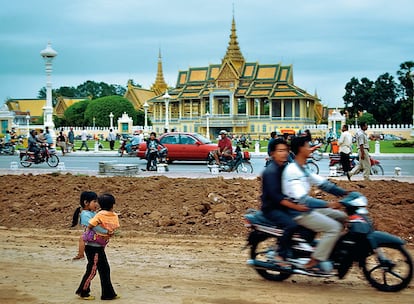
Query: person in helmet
{"points": [[225, 148]]}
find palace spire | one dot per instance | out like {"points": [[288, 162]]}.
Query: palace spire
{"points": [[160, 85], [233, 54]]}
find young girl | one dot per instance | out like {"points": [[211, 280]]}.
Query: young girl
{"points": [[95, 251], [87, 210]]}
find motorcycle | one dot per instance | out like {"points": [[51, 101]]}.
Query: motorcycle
{"points": [[384, 261], [335, 161], [240, 162], [310, 163], [7, 148], [47, 155], [122, 148], [160, 158]]}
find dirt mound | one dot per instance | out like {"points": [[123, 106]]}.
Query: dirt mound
{"points": [[213, 206]]}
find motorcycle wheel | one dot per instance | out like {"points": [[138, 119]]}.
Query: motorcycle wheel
{"points": [[25, 161], [313, 167], [120, 152], [53, 160], [244, 167], [258, 251], [377, 170], [393, 272]]}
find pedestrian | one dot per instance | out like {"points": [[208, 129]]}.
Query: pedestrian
{"points": [[95, 251], [345, 149], [71, 140], [84, 138], [330, 137], [111, 139], [363, 153], [61, 142]]}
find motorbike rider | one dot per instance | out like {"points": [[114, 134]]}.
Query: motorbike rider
{"points": [[274, 203], [322, 216], [224, 149], [135, 141], [153, 144], [33, 144]]}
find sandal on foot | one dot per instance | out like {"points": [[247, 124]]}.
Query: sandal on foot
{"points": [[88, 297], [78, 257]]}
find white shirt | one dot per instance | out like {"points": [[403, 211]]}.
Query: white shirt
{"points": [[345, 142]]}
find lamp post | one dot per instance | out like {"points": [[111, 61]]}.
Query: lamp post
{"points": [[412, 126], [93, 121], [27, 124], [48, 55], [208, 125], [356, 121], [146, 106], [111, 120], [166, 98]]}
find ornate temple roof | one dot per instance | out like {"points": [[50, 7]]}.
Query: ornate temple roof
{"points": [[247, 79]]}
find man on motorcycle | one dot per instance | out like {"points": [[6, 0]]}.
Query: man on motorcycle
{"points": [[274, 202], [33, 144], [135, 141], [322, 218], [225, 148], [152, 148]]}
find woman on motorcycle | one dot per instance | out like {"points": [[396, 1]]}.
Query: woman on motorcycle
{"points": [[153, 145]]}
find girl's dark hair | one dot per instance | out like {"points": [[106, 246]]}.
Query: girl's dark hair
{"points": [[106, 201], [297, 142], [86, 196]]}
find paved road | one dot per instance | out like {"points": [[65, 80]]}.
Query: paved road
{"points": [[89, 161]]}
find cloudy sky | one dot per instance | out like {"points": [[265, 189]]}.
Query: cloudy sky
{"points": [[327, 41]]}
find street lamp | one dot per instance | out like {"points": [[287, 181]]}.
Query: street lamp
{"points": [[412, 126], [208, 125], [27, 124], [166, 98], [111, 120], [93, 120], [146, 106], [48, 54]]}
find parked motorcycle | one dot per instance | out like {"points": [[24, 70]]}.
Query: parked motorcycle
{"points": [[335, 161], [7, 148], [47, 155], [384, 261], [160, 158], [240, 162]]}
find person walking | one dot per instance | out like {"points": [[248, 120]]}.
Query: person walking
{"points": [[111, 139], [363, 153], [84, 138], [71, 139], [95, 251], [345, 144]]}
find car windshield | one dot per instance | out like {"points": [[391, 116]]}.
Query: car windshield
{"points": [[201, 138]]}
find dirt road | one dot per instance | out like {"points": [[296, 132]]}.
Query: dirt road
{"points": [[36, 267]]}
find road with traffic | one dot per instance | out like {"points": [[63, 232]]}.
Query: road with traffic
{"points": [[89, 161]]}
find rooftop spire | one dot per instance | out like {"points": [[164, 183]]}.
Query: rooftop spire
{"points": [[160, 85], [233, 53]]}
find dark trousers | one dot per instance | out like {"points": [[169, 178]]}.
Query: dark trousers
{"points": [[346, 166], [150, 157], [111, 144], [282, 220], [84, 145], [97, 261]]}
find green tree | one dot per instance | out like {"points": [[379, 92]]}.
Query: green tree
{"points": [[101, 107], [384, 99], [98, 90], [75, 114], [406, 89], [368, 118]]}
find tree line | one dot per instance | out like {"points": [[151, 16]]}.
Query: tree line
{"points": [[383, 101]]}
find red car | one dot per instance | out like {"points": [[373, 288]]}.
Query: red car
{"points": [[182, 146]]}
